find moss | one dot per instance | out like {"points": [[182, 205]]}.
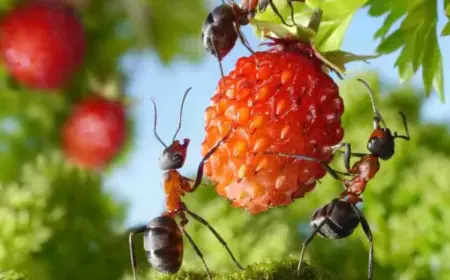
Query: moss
{"points": [[270, 270]]}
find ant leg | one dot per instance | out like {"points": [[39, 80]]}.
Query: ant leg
{"points": [[368, 232], [331, 171], [347, 153], [300, 157], [198, 179], [275, 10], [216, 234], [292, 11], [336, 148], [305, 244], [405, 125], [243, 39], [140, 229], [197, 250], [219, 59]]}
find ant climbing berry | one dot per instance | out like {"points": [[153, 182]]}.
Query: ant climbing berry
{"points": [[163, 237], [221, 28], [381, 145], [339, 218]]}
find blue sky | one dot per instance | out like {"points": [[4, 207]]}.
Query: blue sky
{"points": [[138, 181]]}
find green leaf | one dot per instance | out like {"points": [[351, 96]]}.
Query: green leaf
{"points": [[336, 9], [416, 37], [438, 80], [331, 35], [336, 18], [338, 59], [392, 43], [404, 64], [446, 30], [271, 29], [378, 8], [432, 67], [387, 24]]}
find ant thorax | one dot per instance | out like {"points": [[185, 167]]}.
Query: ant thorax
{"points": [[175, 186]]}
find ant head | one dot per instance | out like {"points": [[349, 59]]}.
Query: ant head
{"points": [[381, 142], [342, 219], [173, 156]]}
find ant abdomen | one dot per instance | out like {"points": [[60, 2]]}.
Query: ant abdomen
{"points": [[339, 223], [163, 243], [223, 12]]}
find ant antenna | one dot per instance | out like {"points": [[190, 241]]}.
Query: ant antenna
{"points": [[154, 125], [181, 113], [372, 100]]}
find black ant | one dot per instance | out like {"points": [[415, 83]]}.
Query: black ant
{"points": [[163, 237], [221, 27], [339, 218], [381, 145]]}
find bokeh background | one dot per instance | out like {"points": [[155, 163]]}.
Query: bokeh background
{"points": [[62, 222]]}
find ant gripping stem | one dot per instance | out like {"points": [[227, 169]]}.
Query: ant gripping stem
{"points": [[263, 6]]}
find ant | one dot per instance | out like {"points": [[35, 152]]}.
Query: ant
{"points": [[339, 218], [221, 27], [163, 237]]}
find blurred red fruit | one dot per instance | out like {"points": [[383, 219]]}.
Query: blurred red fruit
{"points": [[42, 44], [278, 101], [95, 132]]}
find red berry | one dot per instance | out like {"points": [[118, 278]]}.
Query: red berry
{"points": [[42, 44], [278, 101], [94, 132]]}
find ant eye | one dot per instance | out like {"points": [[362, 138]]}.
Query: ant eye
{"points": [[374, 141], [176, 157]]}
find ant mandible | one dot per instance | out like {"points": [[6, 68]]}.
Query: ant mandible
{"points": [[221, 27], [339, 218], [163, 237]]}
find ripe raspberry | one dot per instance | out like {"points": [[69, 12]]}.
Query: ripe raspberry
{"points": [[94, 132], [278, 101], [42, 44]]}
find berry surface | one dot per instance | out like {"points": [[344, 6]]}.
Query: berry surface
{"points": [[42, 44], [94, 132], [275, 101]]}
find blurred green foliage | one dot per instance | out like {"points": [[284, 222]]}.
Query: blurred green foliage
{"points": [[11, 275], [57, 219], [405, 204]]}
